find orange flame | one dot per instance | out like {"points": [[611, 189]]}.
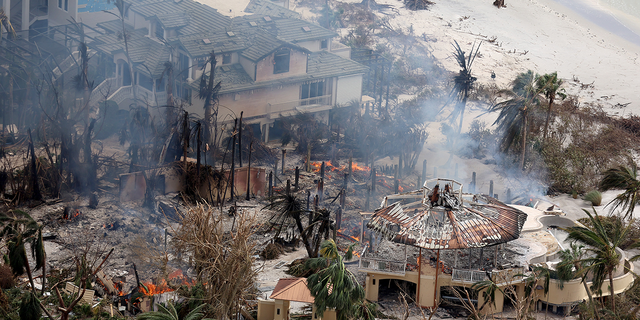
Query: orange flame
{"points": [[150, 289], [328, 166]]}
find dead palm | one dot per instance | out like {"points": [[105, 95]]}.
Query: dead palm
{"points": [[624, 178], [462, 82]]}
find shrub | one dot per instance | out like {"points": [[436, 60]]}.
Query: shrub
{"points": [[272, 251], [6, 277], [595, 197]]}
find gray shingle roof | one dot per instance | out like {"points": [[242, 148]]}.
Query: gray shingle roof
{"points": [[261, 44], [220, 42], [201, 17], [321, 65], [174, 19], [295, 30], [270, 9]]}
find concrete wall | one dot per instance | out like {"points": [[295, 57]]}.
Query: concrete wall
{"points": [[266, 309], [249, 67], [297, 66], [254, 103], [348, 88], [59, 16], [93, 18]]}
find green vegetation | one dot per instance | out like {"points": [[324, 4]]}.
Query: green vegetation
{"points": [[595, 197]]}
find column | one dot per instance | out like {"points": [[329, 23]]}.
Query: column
{"points": [[6, 4], [25, 15]]}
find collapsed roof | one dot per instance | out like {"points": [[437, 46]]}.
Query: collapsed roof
{"points": [[442, 218]]}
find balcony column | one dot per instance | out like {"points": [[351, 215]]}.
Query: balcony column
{"points": [[6, 5], [25, 15]]}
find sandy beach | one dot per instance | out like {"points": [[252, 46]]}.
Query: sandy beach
{"points": [[541, 35]]}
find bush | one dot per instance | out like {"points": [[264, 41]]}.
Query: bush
{"points": [[272, 251], [6, 277], [595, 197]]}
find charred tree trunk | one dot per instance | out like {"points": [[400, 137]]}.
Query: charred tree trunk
{"points": [[35, 188], [240, 141], [233, 163], [88, 160]]}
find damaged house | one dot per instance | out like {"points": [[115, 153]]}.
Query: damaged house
{"points": [[270, 64]]}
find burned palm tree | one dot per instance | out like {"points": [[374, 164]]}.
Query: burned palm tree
{"points": [[209, 90], [417, 4], [82, 78], [462, 82]]}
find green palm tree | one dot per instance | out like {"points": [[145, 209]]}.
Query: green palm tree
{"points": [[17, 229], [549, 85], [625, 178], [514, 112], [462, 82], [4, 22], [334, 286], [169, 312], [488, 288], [30, 307], [571, 266], [601, 245]]}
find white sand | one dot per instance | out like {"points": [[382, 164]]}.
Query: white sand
{"points": [[554, 38]]}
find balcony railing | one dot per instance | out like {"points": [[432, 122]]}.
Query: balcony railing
{"points": [[299, 105], [472, 276], [380, 265]]}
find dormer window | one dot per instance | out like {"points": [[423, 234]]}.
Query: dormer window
{"points": [[281, 60], [226, 58], [159, 31], [324, 44]]}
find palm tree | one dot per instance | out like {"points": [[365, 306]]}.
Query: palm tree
{"points": [[18, 229], [4, 22], [601, 247], [625, 178], [463, 82], [571, 265], [334, 286], [514, 112], [549, 84], [169, 312]]}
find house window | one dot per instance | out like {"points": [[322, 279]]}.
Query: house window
{"points": [[66, 5], [312, 90], [374, 282], [161, 84], [63, 4], [324, 44], [278, 311], [145, 81], [226, 58], [281, 60], [159, 31]]}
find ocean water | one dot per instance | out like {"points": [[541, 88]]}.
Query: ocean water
{"points": [[620, 17], [630, 7]]}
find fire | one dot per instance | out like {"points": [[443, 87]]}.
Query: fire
{"points": [[328, 167], [150, 289], [71, 214]]}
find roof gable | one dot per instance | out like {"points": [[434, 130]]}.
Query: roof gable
{"points": [[292, 289]]}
